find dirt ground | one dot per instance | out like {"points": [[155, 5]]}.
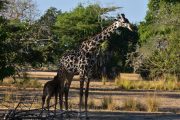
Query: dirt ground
{"points": [[169, 101], [132, 116]]}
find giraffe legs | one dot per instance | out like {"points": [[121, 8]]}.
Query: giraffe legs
{"points": [[56, 96], [66, 89], [61, 97], [86, 96], [81, 95], [48, 101], [43, 101], [66, 92]]}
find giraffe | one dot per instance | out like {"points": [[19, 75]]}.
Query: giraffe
{"points": [[54, 87], [82, 60], [50, 89]]}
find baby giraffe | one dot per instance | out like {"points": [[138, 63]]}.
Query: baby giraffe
{"points": [[52, 88]]}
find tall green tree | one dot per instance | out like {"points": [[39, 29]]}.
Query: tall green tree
{"points": [[43, 33], [23, 44], [9, 45], [80, 24], [159, 37]]}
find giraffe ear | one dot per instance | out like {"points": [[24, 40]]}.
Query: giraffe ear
{"points": [[122, 15], [119, 16], [124, 18]]}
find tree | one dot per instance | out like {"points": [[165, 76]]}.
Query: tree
{"points": [[24, 10], [7, 47], [45, 35], [21, 45], [80, 24], [159, 37]]}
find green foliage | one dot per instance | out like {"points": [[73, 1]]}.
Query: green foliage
{"points": [[3, 4], [159, 38], [24, 44], [79, 24], [9, 48], [6, 71], [49, 18]]}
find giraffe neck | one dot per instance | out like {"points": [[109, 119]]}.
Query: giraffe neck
{"points": [[93, 43], [106, 33]]}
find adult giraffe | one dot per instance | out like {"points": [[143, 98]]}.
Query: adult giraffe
{"points": [[82, 60]]}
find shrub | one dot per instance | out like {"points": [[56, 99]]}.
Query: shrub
{"points": [[104, 79], [70, 104], [112, 106], [105, 102], [125, 84], [131, 104], [91, 104], [25, 77], [152, 103], [8, 97], [34, 84]]}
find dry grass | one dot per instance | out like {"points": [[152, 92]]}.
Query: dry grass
{"points": [[152, 103], [132, 104], [115, 102], [22, 83], [108, 103], [8, 97], [113, 106], [91, 104], [36, 105], [104, 79], [105, 102], [147, 85], [28, 84]]}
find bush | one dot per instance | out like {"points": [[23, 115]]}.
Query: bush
{"points": [[91, 104], [34, 84], [105, 102], [152, 103], [113, 106], [8, 97], [132, 104], [104, 80], [124, 84]]}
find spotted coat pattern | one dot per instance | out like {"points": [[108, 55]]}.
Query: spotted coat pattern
{"points": [[81, 61]]}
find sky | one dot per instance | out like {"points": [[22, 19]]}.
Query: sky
{"points": [[135, 10]]}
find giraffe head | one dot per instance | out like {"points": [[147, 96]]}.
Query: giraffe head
{"points": [[123, 22]]}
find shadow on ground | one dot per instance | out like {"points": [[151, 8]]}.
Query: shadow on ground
{"points": [[132, 116]]}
